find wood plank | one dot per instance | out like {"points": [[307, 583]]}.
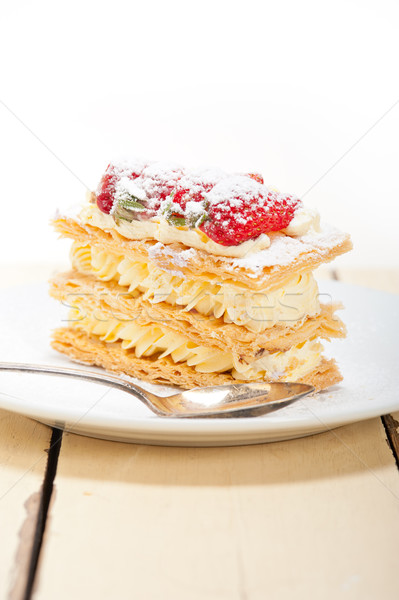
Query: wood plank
{"points": [[24, 446], [317, 515], [23, 458]]}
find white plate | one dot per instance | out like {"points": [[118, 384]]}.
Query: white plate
{"points": [[367, 358]]}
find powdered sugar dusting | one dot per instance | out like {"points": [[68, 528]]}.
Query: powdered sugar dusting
{"points": [[124, 167], [157, 250], [233, 190], [183, 257], [179, 258], [198, 180], [126, 186], [159, 179], [70, 212], [195, 213], [284, 250]]}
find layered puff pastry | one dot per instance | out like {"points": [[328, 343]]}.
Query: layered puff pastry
{"points": [[197, 277]]}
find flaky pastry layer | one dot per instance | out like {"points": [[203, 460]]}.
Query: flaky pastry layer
{"points": [[112, 357], [199, 264], [74, 288]]}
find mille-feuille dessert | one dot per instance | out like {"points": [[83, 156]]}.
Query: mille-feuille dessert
{"points": [[197, 277]]}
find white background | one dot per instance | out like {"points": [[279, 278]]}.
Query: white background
{"points": [[283, 87]]}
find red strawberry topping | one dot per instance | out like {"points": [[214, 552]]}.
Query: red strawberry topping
{"points": [[159, 180], [229, 209], [256, 177], [109, 181], [241, 210], [183, 196], [106, 191], [185, 207], [187, 204]]}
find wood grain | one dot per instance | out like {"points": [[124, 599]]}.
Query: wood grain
{"points": [[23, 458], [317, 515]]}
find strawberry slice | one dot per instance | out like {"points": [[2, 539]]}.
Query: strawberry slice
{"points": [[159, 180], [187, 205], [106, 192], [241, 210], [185, 208], [256, 177], [229, 209]]}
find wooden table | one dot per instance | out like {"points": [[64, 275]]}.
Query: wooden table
{"points": [[309, 518]]}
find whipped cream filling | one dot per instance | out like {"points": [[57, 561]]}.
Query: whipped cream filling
{"points": [[155, 341], [257, 311], [159, 229], [306, 220]]}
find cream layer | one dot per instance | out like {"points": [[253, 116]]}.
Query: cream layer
{"points": [[158, 229], [257, 311], [157, 342], [305, 220]]}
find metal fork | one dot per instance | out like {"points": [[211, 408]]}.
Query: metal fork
{"points": [[232, 400]]}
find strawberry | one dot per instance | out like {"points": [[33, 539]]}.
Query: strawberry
{"points": [[107, 187], [173, 207], [187, 204], [185, 208], [159, 180], [240, 210], [228, 209], [282, 208], [256, 177], [106, 191]]}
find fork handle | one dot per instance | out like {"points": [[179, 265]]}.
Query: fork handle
{"points": [[110, 380]]}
